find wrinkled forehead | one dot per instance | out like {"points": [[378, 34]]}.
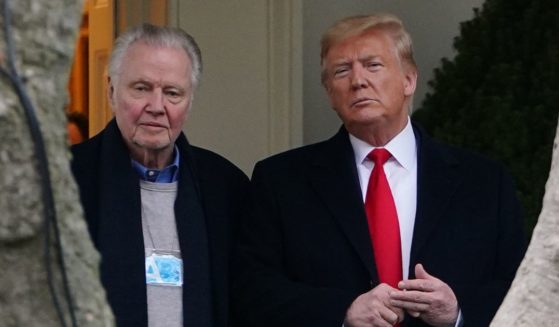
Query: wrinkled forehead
{"points": [[141, 57]]}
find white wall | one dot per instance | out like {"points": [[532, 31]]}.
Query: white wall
{"points": [[432, 24], [249, 104]]}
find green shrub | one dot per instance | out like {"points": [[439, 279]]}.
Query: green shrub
{"points": [[500, 94]]}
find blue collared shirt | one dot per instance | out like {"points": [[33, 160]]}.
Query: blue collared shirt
{"points": [[168, 174]]}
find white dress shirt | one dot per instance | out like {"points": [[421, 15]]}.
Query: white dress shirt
{"points": [[401, 172]]}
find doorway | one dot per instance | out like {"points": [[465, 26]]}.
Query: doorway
{"points": [[102, 20]]}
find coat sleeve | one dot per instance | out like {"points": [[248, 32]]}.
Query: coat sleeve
{"points": [[480, 302]]}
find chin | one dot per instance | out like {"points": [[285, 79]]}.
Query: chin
{"points": [[153, 144], [366, 118]]}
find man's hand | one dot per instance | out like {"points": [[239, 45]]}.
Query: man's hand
{"points": [[373, 309], [428, 298]]}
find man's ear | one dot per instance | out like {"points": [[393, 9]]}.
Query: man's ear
{"points": [[327, 86], [410, 82], [111, 93]]}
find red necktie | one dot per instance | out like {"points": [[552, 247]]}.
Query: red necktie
{"points": [[384, 228]]}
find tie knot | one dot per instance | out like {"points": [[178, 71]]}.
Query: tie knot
{"points": [[379, 156]]}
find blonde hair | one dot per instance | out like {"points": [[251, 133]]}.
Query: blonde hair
{"points": [[357, 25]]}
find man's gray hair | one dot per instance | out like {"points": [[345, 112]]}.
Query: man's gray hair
{"points": [[159, 37]]}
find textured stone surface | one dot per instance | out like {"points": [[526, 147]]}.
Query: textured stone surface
{"points": [[44, 34], [533, 299]]}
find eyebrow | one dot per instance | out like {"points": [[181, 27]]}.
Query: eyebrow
{"points": [[368, 58], [152, 83], [341, 61], [345, 61], [140, 80]]}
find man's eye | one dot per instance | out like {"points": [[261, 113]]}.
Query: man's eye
{"points": [[340, 72], [173, 94], [141, 88], [373, 65]]}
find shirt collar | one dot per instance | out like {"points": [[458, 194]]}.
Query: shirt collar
{"points": [[168, 174], [402, 147]]}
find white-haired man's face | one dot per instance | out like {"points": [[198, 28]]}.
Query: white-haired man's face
{"points": [[152, 97]]}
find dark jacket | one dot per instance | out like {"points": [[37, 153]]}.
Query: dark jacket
{"points": [[211, 192], [305, 253]]}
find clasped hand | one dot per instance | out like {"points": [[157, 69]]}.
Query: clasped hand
{"points": [[425, 297]]}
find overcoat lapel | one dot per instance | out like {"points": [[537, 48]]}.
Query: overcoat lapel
{"points": [[437, 181], [218, 238], [195, 241], [334, 177], [120, 229]]}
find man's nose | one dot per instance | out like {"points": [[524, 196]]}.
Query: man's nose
{"points": [[156, 101], [358, 78]]}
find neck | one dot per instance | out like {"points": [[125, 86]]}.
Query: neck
{"points": [[377, 136], [154, 159]]}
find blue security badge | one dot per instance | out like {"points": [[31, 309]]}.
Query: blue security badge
{"points": [[163, 270]]}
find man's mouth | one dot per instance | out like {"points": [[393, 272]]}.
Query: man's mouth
{"points": [[362, 101], [153, 124]]}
